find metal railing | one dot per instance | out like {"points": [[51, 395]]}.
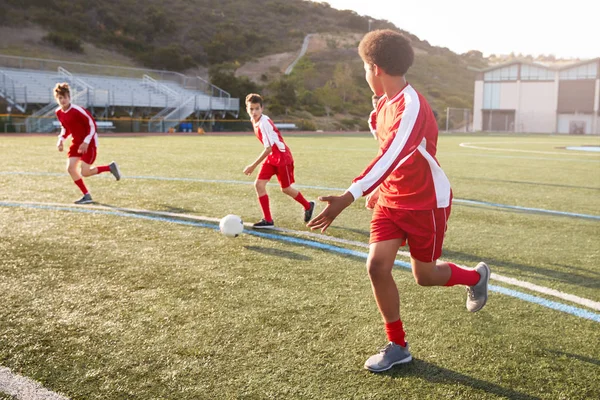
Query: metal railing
{"points": [[12, 92], [175, 102], [174, 117], [188, 82], [81, 93]]}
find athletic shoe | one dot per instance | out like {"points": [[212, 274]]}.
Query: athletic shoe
{"points": [[86, 199], [262, 224], [114, 169], [477, 294], [308, 213], [392, 354]]}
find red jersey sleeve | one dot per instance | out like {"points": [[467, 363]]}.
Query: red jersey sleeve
{"points": [[394, 151], [86, 119], [373, 123], [63, 132]]}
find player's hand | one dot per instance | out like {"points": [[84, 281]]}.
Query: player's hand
{"points": [[372, 199], [249, 170], [336, 204], [60, 146], [83, 148]]}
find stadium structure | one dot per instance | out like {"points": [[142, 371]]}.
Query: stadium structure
{"points": [[526, 97], [166, 98]]}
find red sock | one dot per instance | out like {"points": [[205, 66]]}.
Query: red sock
{"points": [[395, 332], [81, 186], [300, 199], [264, 204], [462, 276], [103, 168]]}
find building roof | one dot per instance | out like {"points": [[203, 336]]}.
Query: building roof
{"points": [[552, 66]]}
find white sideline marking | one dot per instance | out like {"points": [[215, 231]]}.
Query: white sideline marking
{"points": [[511, 281], [470, 145], [24, 388]]}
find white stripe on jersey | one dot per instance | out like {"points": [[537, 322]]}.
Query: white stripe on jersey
{"points": [[440, 180], [92, 135], [270, 137], [412, 106]]}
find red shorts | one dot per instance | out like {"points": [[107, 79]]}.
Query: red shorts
{"points": [[285, 174], [423, 229], [88, 157]]}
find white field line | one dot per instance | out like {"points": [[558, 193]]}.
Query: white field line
{"points": [[500, 278], [24, 388], [471, 145]]}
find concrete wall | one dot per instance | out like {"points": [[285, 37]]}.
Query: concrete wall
{"points": [[537, 108], [477, 105], [565, 120]]}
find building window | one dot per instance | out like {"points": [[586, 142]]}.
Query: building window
{"points": [[586, 71], [532, 73], [509, 73], [491, 96]]}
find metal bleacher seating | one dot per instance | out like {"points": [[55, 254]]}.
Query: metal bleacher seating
{"points": [[173, 99]]}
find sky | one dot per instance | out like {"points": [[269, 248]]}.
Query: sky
{"points": [[567, 29]]}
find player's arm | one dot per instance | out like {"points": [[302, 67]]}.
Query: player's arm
{"points": [[394, 151], [269, 138], [62, 136], [91, 132], [265, 153]]}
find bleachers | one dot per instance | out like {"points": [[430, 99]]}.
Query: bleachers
{"points": [[112, 91]]}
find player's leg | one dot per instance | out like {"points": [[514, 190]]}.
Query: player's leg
{"points": [[449, 274], [88, 170], [426, 237], [386, 239], [72, 163], [285, 176], [260, 186], [88, 160], [379, 266]]}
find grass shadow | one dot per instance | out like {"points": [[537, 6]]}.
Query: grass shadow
{"points": [[439, 375], [279, 253], [520, 211], [529, 183], [361, 232], [567, 277], [575, 356]]}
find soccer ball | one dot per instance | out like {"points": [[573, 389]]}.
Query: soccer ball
{"points": [[231, 225]]}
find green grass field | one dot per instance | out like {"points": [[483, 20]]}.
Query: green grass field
{"points": [[107, 305]]}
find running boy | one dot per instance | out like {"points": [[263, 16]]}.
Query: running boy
{"points": [[79, 123], [277, 159], [414, 199]]}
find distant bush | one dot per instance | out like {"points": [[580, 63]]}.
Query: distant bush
{"points": [[306, 125], [65, 41], [171, 57]]}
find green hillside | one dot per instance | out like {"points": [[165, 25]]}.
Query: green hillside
{"points": [[223, 35]]}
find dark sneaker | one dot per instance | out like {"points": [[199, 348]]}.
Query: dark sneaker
{"points": [[86, 199], [262, 224], [114, 169], [308, 213], [477, 294], [392, 354]]}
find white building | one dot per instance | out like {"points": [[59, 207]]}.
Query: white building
{"points": [[533, 98]]}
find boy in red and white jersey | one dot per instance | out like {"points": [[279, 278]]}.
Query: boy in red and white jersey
{"points": [[78, 123], [414, 194], [277, 159]]}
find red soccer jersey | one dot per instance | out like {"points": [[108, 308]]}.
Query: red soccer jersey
{"points": [[373, 124], [268, 134], [79, 123], [405, 170]]}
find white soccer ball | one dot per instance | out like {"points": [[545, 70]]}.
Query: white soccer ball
{"points": [[231, 225]]}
